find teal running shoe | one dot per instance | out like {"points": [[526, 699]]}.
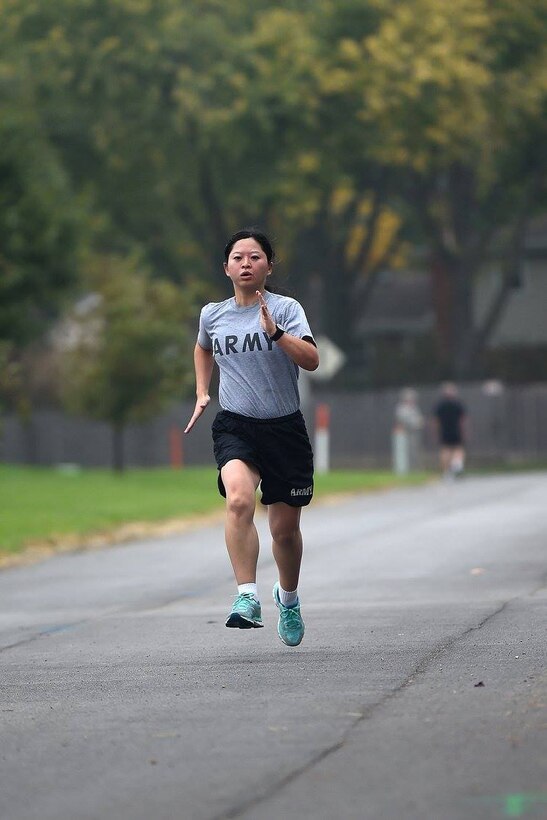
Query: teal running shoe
{"points": [[290, 626], [246, 613]]}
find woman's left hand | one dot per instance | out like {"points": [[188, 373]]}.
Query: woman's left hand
{"points": [[267, 323]]}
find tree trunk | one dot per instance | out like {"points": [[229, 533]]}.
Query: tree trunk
{"points": [[452, 290], [441, 290], [460, 225], [31, 439], [463, 329], [510, 276], [118, 461], [337, 302]]}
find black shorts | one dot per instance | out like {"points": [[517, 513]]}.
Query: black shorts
{"points": [[451, 440], [279, 449]]}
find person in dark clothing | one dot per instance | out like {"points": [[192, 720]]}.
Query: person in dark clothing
{"points": [[450, 418]]}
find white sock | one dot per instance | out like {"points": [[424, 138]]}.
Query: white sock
{"points": [[287, 598], [250, 589]]}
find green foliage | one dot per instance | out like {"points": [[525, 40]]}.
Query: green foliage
{"points": [[38, 228], [12, 393], [345, 128], [128, 347]]}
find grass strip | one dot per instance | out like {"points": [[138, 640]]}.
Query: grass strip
{"points": [[42, 504]]}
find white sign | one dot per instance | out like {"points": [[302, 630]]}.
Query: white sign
{"points": [[331, 359]]}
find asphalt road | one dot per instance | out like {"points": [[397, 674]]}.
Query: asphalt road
{"points": [[419, 691]]}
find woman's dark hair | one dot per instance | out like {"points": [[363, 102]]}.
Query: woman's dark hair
{"points": [[251, 233], [265, 244]]}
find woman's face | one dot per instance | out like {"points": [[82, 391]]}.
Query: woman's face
{"points": [[248, 265]]}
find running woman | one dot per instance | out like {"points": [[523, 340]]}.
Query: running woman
{"points": [[258, 340]]}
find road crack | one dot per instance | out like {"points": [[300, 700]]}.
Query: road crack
{"points": [[367, 713]]}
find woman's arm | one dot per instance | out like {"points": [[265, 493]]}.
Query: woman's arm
{"points": [[203, 364], [303, 352]]}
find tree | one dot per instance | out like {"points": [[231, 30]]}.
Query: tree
{"points": [[346, 129], [458, 92], [148, 105], [127, 347], [182, 123], [39, 228], [319, 187]]}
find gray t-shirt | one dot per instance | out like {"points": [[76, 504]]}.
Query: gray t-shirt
{"points": [[257, 378]]}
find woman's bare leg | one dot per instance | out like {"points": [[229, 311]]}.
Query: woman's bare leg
{"points": [[284, 522], [240, 482]]}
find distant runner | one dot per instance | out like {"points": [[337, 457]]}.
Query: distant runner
{"points": [[450, 418]]}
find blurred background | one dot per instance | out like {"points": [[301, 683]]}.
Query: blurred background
{"points": [[396, 152]]}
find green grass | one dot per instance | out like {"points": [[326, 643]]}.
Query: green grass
{"points": [[45, 504]]}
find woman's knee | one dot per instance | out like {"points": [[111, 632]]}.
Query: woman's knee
{"points": [[284, 524], [286, 537], [240, 503]]}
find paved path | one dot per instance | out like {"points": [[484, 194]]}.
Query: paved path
{"points": [[419, 692]]}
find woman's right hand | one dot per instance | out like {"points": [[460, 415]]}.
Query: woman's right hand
{"points": [[201, 404]]}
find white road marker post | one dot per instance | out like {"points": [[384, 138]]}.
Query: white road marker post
{"points": [[400, 450], [322, 438]]}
